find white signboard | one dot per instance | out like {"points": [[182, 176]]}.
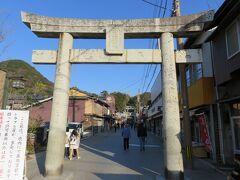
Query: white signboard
{"points": [[13, 138]]}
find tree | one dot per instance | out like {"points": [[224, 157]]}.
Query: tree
{"points": [[145, 99], [132, 101], [103, 94], [121, 100], [5, 29], [37, 92]]}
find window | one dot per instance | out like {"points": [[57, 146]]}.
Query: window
{"points": [[188, 77], [199, 71], [232, 39], [235, 109], [18, 84], [235, 118]]}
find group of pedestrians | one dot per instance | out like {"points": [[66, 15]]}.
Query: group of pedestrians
{"points": [[141, 133], [72, 142]]}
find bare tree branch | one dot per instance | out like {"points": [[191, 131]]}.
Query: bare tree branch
{"points": [[6, 28]]}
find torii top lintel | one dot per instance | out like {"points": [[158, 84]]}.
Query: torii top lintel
{"points": [[182, 26]]}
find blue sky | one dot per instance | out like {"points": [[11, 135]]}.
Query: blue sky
{"points": [[93, 78]]}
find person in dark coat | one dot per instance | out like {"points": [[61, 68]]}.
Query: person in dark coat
{"points": [[142, 134], [126, 134], [235, 174], [115, 127]]}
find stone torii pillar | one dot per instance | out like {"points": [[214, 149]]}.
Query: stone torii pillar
{"points": [[115, 31], [172, 142], [57, 131]]}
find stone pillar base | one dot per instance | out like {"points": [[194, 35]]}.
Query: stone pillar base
{"points": [[174, 175]]}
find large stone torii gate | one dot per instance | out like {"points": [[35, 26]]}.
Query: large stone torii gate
{"points": [[115, 31]]}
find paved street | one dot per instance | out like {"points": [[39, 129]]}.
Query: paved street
{"points": [[103, 157]]}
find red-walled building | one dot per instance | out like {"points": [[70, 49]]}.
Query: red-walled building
{"points": [[42, 110], [90, 111]]}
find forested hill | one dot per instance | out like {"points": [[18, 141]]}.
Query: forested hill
{"points": [[19, 68]]}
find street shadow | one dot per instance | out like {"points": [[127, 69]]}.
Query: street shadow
{"points": [[109, 146], [122, 176], [40, 150], [40, 159]]}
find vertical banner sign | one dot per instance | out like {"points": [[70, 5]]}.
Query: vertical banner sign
{"points": [[13, 138], [204, 134]]}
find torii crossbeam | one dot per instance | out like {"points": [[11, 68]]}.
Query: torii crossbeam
{"points": [[115, 31]]}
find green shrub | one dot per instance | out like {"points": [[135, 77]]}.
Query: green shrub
{"points": [[34, 125]]}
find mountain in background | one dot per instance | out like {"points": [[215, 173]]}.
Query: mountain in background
{"points": [[35, 84], [38, 87], [122, 100]]}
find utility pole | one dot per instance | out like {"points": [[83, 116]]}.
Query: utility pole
{"points": [[138, 101], [4, 90], [187, 142]]}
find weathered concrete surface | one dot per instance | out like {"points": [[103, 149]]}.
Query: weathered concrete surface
{"points": [[188, 56], [114, 40], [183, 26], [56, 138], [131, 56], [171, 120], [46, 56]]}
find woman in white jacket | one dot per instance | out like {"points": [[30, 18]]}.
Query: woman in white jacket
{"points": [[74, 144]]}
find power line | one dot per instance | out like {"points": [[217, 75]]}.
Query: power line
{"points": [[159, 12], [145, 77], [150, 45], [156, 5], [216, 3], [130, 85], [165, 8], [149, 70], [209, 7], [151, 78], [157, 44]]}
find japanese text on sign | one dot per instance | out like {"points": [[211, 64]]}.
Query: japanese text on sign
{"points": [[13, 137]]}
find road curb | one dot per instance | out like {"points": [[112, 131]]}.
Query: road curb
{"points": [[212, 166]]}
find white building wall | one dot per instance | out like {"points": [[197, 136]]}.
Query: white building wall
{"points": [[156, 107], [157, 87], [156, 100], [207, 60]]}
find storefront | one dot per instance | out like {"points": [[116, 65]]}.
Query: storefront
{"points": [[203, 132], [235, 125], [155, 124], [229, 130]]}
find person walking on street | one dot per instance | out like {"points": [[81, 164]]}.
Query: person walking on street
{"points": [[142, 134], [74, 144], [126, 134], [115, 127]]}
